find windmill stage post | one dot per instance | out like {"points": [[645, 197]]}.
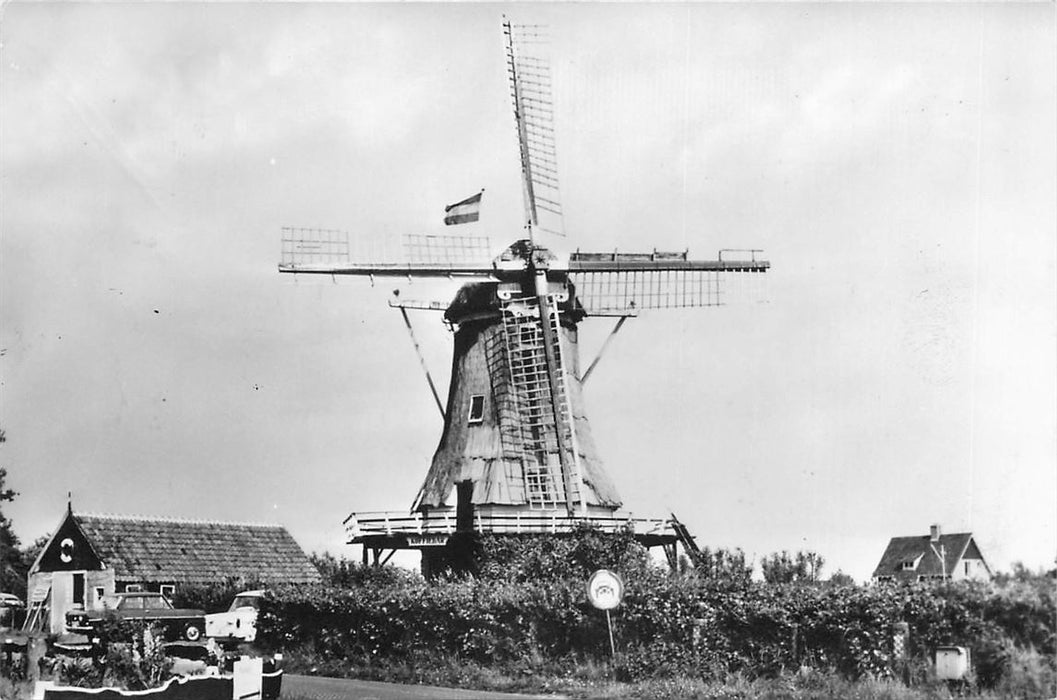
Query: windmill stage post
{"points": [[516, 455]]}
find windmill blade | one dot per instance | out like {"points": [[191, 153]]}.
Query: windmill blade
{"points": [[608, 283], [528, 67], [330, 252]]}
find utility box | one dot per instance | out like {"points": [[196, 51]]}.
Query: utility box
{"points": [[952, 663]]}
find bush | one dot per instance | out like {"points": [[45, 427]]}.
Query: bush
{"points": [[136, 664]]}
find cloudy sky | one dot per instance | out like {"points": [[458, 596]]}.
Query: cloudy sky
{"points": [[897, 163]]}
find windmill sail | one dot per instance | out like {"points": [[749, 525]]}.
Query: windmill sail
{"points": [[332, 252], [627, 282], [528, 67]]}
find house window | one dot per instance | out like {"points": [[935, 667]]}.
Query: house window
{"points": [[133, 588], [476, 409], [909, 565], [966, 568], [167, 590], [98, 594]]}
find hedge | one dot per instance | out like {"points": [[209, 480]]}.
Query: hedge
{"points": [[665, 624]]}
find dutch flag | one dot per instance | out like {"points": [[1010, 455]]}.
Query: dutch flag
{"points": [[465, 211]]}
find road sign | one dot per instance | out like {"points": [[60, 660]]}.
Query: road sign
{"points": [[605, 589]]}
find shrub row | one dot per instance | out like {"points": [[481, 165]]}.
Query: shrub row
{"points": [[667, 623]]}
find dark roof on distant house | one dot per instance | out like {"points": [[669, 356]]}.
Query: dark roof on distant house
{"points": [[189, 551], [954, 547]]}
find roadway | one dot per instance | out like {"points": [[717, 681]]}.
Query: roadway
{"points": [[319, 688]]}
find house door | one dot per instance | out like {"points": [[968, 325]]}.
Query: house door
{"points": [[78, 590]]}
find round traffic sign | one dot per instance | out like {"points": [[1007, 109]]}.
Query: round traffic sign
{"points": [[605, 589]]}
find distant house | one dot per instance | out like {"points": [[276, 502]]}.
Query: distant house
{"points": [[91, 556], [934, 556]]}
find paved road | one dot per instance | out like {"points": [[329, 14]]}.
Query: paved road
{"points": [[319, 688]]}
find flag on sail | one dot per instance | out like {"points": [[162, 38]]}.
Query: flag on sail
{"points": [[465, 211]]}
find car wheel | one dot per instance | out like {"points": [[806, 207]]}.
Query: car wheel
{"points": [[192, 633]]}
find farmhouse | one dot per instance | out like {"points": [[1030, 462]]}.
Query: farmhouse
{"points": [[934, 556], [91, 556]]}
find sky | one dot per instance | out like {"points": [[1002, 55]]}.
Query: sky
{"points": [[897, 163]]}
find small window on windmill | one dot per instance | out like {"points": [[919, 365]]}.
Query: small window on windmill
{"points": [[476, 409]]}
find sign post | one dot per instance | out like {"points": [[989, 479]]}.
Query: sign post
{"points": [[605, 590]]}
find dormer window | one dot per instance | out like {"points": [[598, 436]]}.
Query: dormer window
{"points": [[476, 409], [911, 564]]}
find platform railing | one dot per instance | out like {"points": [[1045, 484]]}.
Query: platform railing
{"points": [[443, 522]]}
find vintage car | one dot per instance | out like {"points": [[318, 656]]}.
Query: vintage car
{"points": [[153, 608], [12, 610], [239, 623]]}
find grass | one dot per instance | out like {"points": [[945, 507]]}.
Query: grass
{"points": [[1031, 676]]}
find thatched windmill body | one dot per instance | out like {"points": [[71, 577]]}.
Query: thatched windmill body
{"points": [[516, 453]]}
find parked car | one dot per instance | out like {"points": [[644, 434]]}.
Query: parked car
{"points": [[239, 623], [154, 608], [11, 610]]}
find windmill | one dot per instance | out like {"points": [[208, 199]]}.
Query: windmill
{"points": [[516, 454]]}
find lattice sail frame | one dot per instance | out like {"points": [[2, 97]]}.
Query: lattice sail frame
{"points": [[529, 71], [625, 283], [331, 250]]}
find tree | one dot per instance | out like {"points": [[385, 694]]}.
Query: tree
{"points": [[727, 565], [841, 579], [12, 570], [781, 567]]}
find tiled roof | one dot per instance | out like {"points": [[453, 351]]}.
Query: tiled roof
{"points": [[187, 551], [902, 549]]}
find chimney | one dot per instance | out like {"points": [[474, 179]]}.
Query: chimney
{"points": [[934, 533]]}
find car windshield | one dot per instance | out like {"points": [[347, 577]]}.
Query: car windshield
{"points": [[245, 601], [141, 602], [156, 602]]}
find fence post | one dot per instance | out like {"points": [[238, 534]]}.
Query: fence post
{"points": [[901, 650]]}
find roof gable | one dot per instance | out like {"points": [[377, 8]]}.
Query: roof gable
{"points": [[185, 551], [972, 551], [69, 549], [902, 549]]}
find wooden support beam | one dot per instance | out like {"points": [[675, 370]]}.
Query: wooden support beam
{"points": [[616, 329], [422, 361], [566, 453], [672, 554]]}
